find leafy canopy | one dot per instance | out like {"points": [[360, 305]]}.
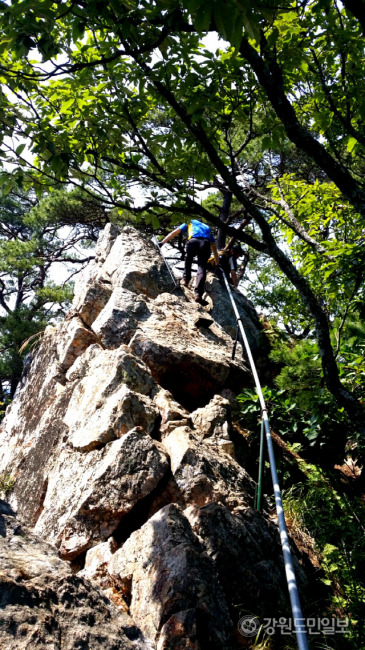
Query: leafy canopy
{"points": [[122, 96], [36, 240]]}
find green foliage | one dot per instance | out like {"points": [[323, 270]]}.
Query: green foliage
{"points": [[7, 483], [273, 294], [88, 115], [106, 118], [300, 406], [315, 507], [336, 263], [35, 237], [324, 237], [301, 372], [352, 354], [337, 526], [303, 412], [15, 327], [313, 426]]}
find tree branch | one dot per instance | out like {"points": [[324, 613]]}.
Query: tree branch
{"points": [[269, 76]]}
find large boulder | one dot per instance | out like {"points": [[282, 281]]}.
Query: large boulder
{"points": [[119, 445], [203, 474], [223, 313], [246, 552], [43, 605], [192, 363], [174, 593], [112, 405], [90, 493], [214, 422]]}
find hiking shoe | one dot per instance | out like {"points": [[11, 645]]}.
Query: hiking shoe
{"points": [[200, 300]]}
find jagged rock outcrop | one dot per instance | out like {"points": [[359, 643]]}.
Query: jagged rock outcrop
{"points": [[119, 443], [168, 577], [214, 422], [43, 605]]}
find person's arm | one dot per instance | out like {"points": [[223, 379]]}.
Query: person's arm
{"points": [[234, 278], [233, 270], [215, 253], [170, 236]]}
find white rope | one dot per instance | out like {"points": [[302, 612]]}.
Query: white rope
{"points": [[299, 623]]}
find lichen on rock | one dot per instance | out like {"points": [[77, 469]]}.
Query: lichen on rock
{"points": [[44, 605]]}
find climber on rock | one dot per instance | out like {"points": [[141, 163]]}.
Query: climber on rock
{"points": [[200, 242], [228, 262]]}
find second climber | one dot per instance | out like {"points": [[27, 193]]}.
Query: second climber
{"points": [[200, 243]]}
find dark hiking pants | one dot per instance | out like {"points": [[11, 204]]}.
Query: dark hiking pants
{"points": [[224, 265], [200, 248]]}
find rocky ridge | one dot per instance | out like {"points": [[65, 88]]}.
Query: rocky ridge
{"points": [[119, 442]]}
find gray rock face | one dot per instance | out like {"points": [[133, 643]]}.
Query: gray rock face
{"points": [[203, 474], [120, 317], [246, 553], [93, 287], [43, 605], [214, 421], [114, 404], [134, 264], [119, 442], [110, 482], [192, 363], [162, 565], [223, 313]]}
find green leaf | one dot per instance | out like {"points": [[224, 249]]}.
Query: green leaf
{"points": [[19, 150], [304, 66], [66, 105], [351, 144]]}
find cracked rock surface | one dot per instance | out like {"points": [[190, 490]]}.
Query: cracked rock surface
{"points": [[43, 605], [119, 443]]}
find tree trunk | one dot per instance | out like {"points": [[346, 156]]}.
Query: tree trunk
{"points": [[343, 397], [270, 78], [224, 216]]}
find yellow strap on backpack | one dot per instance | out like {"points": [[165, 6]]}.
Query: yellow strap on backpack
{"points": [[211, 261]]}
